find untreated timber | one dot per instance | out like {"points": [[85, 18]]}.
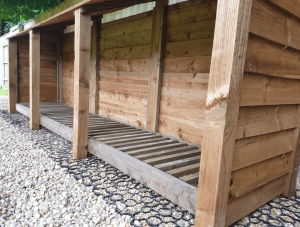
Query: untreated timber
{"points": [[95, 66], [158, 46], [81, 83], [12, 75], [34, 75], [60, 41], [224, 91]]}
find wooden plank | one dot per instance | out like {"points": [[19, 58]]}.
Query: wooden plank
{"points": [[127, 53], [191, 178], [156, 70], [95, 66], [247, 179], [224, 89], [239, 208], [256, 149], [290, 6], [12, 75], [186, 170], [261, 90], [145, 141], [60, 54], [178, 163], [34, 74], [81, 83], [259, 120], [271, 59], [273, 24]]}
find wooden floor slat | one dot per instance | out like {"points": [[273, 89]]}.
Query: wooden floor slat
{"points": [[177, 158]]}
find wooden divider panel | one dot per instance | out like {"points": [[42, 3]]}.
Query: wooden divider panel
{"points": [[48, 70], [189, 41]]}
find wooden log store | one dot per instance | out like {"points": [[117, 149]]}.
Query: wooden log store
{"points": [[200, 100]]}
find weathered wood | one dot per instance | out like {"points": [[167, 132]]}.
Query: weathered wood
{"points": [[239, 208], [157, 55], [95, 67], [290, 6], [182, 171], [266, 90], [60, 54], [248, 179], [81, 83], [224, 90], [271, 23], [34, 59], [259, 120], [256, 149], [12, 75]]}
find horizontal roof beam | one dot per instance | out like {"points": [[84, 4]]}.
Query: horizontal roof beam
{"points": [[110, 5]]}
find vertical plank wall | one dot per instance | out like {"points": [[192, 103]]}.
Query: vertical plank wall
{"points": [[48, 63], [125, 47], [268, 124], [189, 41]]}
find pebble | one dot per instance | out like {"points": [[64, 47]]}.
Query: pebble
{"points": [[35, 190]]}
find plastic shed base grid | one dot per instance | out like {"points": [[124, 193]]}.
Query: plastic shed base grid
{"points": [[143, 205]]}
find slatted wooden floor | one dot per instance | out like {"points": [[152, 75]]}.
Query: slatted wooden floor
{"points": [[177, 158]]}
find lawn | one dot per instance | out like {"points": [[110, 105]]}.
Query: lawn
{"points": [[3, 92]]}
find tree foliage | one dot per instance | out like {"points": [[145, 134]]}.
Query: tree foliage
{"points": [[14, 11]]}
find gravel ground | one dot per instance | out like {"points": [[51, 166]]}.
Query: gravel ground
{"points": [[42, 185]]}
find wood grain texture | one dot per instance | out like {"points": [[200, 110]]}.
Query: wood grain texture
{"points": [[156, 70], [34, 75], [266, 90], [256, 149], [270, 22], [60, 42], [12, 75], [290, 6], [271, 59], [95, 68], [248, 203], [259, 120], [81, 83], [224, 89]]}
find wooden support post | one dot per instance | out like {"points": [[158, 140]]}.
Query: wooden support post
{"points": [[60, 43], [95, 66], [223, 98], [34, 76], [13, 75], [290, 188], [81, 83], [158, 47]]}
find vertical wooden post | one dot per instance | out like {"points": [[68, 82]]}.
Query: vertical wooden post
{"points": [[34, 74], [223, 98], [95, 66], [81, 83], [60, 43], [158, 48], [12, 74], [290, 188]]}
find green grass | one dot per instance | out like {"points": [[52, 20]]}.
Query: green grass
{"points": [[3, 93]]}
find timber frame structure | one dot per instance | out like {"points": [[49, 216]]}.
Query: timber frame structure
{"points": [[154, 92]]}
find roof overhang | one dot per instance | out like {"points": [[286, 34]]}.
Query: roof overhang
{"points": [[62, 15]]}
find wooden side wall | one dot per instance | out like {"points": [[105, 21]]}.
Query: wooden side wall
{"points": [[189, 41], [268, 123], [48, 69], [125, 47]]}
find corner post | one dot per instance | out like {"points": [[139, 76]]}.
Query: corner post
{"points": [[95, 66], [34, 77], [223, 98], [81, 83], [12, 75], [156, 70]]}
